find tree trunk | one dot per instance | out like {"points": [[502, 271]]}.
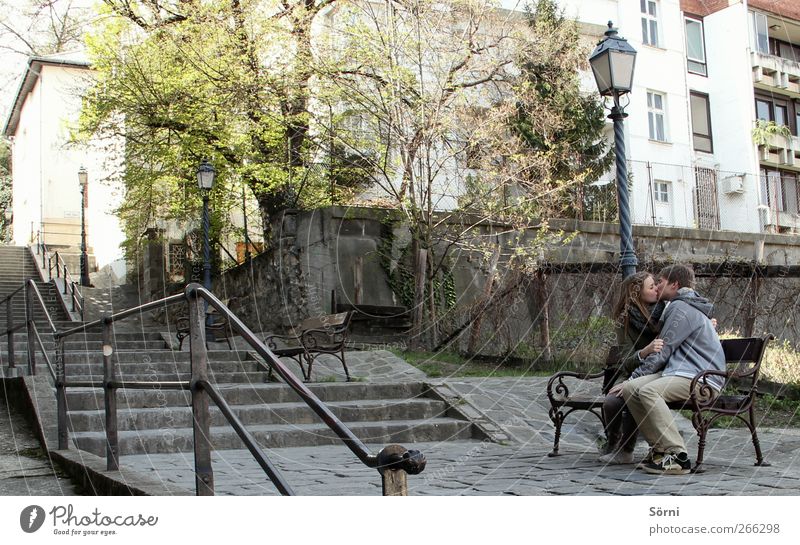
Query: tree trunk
{"points": [[420, 277], [544, 323], [483, 303]]}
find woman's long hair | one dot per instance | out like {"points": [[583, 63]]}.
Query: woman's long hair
{"points": [[628, 297]]}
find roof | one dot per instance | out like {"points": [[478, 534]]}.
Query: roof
{"points": [[32, 72]]}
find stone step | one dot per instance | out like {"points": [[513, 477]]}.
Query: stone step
{"points": [[222, 377], [128, 370], [162, 418], [279, 436], [151, 356], [50, 345], [253, 394]]}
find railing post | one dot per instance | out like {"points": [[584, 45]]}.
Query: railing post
{"points": [[61, 395], [109, 375], [12, 365], [73, 296], [31, 326], [65, 279], [201, 415]]}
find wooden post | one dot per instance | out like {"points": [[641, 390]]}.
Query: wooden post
{"points": [[31, 334], [109, 375], [544, 323], [395, 482], [201, 415], [358, 281]]}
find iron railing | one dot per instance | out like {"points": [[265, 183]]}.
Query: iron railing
{"points": [[32, 296], [55, 262], [393, 462]]}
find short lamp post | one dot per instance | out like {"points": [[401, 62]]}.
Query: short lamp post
{"points": [[205, 181], [612, 63], [83, 180], [9, 216]]}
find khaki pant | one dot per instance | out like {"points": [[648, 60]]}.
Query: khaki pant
{"points": [[647, 398]]}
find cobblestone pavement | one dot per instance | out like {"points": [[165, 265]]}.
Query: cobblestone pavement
{"points": [[476, 468], [520, 467], [24, 469]]}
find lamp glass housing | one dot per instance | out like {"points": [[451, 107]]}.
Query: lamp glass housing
{"points": [[613, 62], [205, 175]]}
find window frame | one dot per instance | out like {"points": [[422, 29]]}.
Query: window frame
{"points": [[755, 44], [650, 22], [703, 63], [657, 193], [710, 135], [653, 112]]}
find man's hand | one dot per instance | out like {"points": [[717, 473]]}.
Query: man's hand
{"points": [[617, 389]]}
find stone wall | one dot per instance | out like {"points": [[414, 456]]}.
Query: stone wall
{"points": [[318, 251]]}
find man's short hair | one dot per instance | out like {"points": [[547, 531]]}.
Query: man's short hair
{"points": [[681, 274]]}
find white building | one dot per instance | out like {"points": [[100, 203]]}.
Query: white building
{"points": [[45, 165], [705, 72]]}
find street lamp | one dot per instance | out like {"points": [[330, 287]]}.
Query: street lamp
{"points": [[9, 216], [612, 63], [205, 181], [83, 180]]}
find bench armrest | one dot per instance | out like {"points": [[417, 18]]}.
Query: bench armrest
{"points": [[336, 335], [270, 340], [556, 385], [701, 393]]}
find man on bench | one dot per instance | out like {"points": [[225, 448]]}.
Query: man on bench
{"points": [[691, 345]]}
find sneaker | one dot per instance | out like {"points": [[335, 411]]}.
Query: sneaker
{"points": [[650, 457], [617, 458], [670, 464]]}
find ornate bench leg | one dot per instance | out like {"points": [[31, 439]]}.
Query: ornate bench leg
{"points": [[558, 418], [344, 364], [751, 423]]}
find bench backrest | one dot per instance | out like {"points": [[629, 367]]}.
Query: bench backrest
{"points": [[328, 321], [743, 356]]}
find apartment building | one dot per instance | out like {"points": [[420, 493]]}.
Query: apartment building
{"points": [[710, 77]]}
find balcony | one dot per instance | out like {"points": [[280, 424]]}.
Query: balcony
{"points": [[776, 74], [782, 152]]}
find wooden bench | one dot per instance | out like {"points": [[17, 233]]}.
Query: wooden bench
{"points": [[219, 328], [743, 358], [313, 337]]}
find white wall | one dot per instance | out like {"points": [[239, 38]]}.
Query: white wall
{"points": [[46, 164], [730, 90]]}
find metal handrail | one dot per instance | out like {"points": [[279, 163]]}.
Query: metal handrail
{"points": [[76, 296], [33, 332], [393, 462]]}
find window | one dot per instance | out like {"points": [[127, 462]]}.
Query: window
{"points": [[655, 116], [661, 192], [763, 110], [695, 47], [649, 22], [701, 122], [781, 115], [759, 39]]}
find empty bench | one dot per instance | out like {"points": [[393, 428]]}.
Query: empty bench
{"points": [[313, 337]]}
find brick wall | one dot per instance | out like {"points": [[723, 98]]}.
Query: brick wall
{"points": [[706, 7], [785, 8]]}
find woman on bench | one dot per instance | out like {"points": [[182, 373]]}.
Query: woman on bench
{"points": [[637, 314]]}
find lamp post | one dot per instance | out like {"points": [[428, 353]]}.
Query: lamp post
{"points": [[612, 63], [244, 215], [83, 180], [205, 181], [9, 216]]}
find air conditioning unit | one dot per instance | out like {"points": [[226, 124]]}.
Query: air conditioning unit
{"points": [[733, 184], [765, 218]]}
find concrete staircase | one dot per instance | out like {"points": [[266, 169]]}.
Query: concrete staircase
{"points": [[159, 421]]}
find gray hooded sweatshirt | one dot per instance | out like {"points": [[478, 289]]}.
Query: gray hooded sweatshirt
{"points": [[691, 344]]}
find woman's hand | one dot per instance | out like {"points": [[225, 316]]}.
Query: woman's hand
{"points": [[655, 346], [616, 390]]}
